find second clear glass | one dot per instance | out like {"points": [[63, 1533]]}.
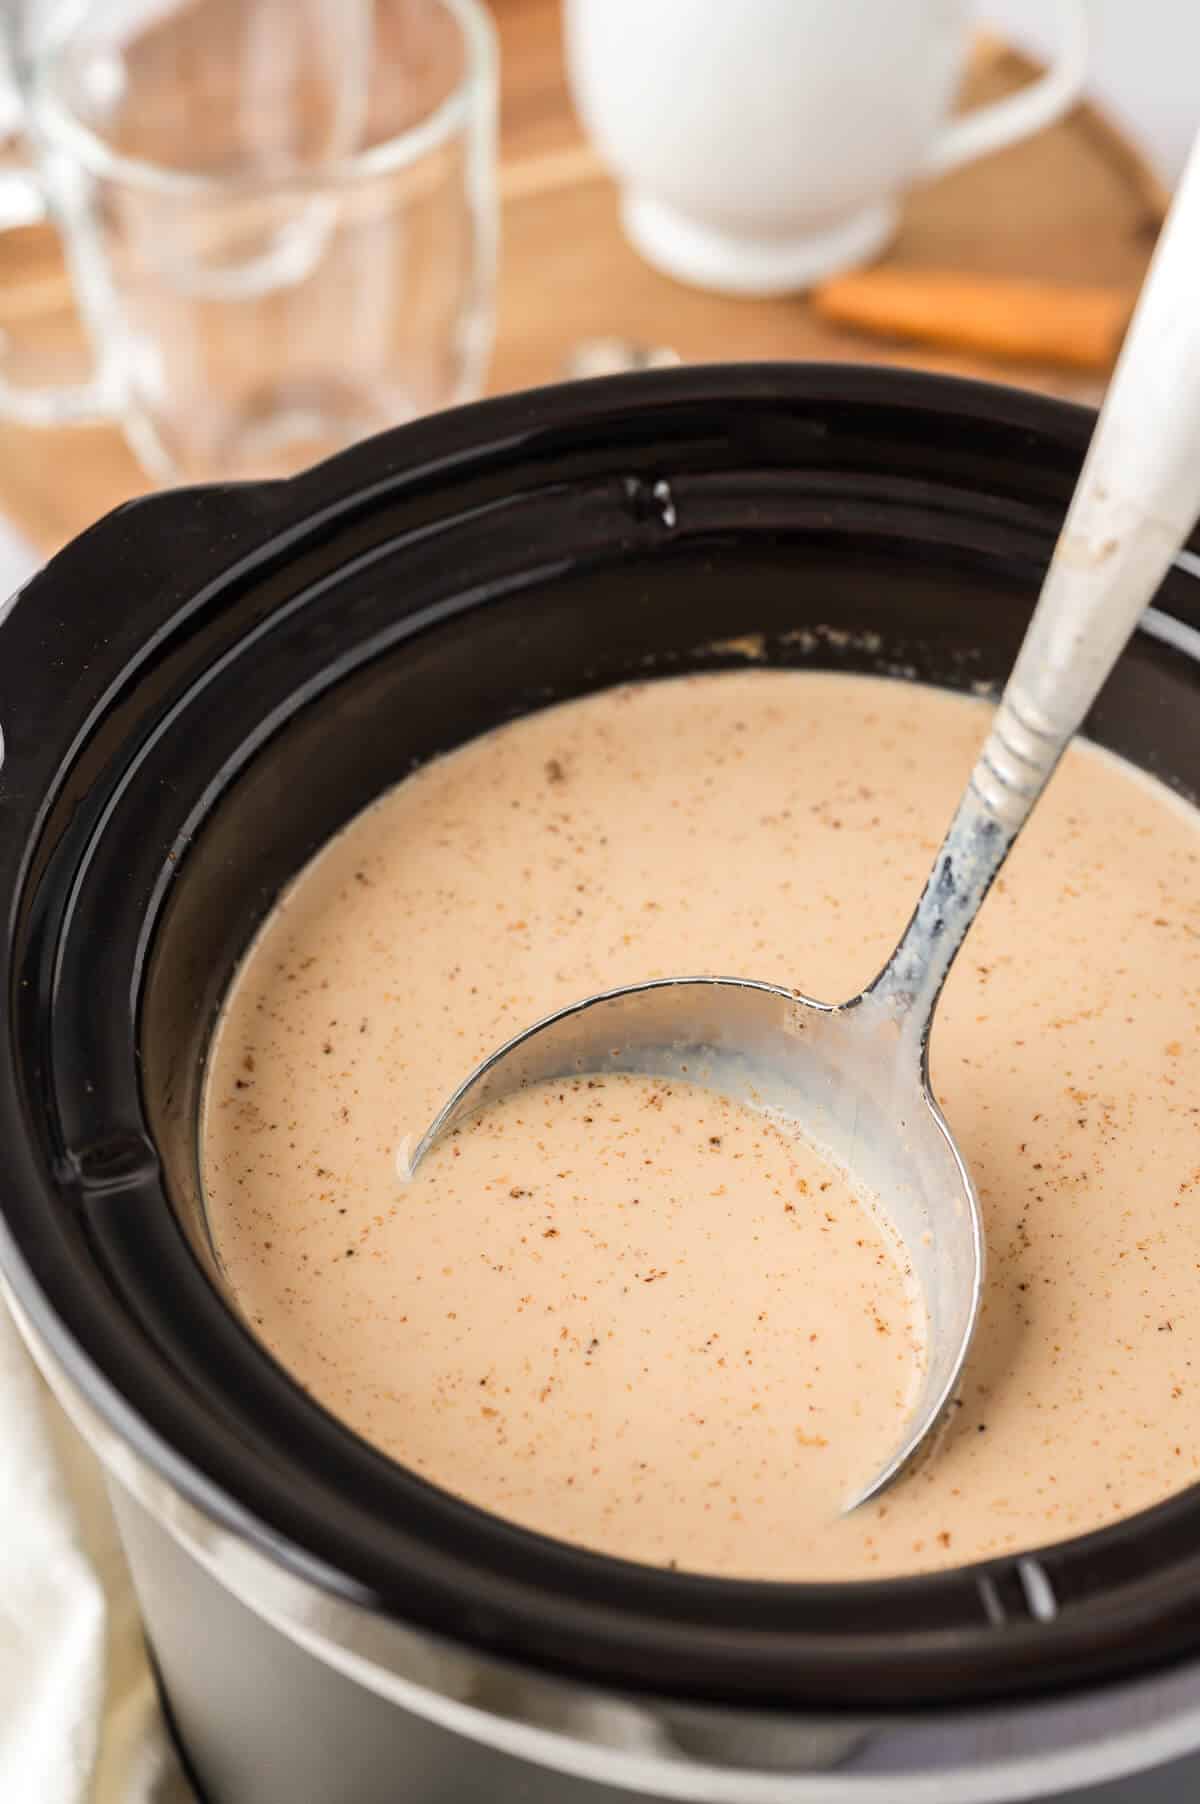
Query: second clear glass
{"points": [[279, 217]]}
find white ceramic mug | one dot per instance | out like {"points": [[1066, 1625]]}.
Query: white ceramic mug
{"points": [[762, 145]]}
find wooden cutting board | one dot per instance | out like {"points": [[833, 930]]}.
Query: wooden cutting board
{"points": [[1075, 204]]}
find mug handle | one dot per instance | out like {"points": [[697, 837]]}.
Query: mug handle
{"points": [[1019, 115], [23, 203]]}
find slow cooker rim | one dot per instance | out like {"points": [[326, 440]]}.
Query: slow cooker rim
{"points": [[290, 514]]}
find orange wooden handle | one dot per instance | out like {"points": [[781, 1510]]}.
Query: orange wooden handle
{"points": [[1039, 322]]}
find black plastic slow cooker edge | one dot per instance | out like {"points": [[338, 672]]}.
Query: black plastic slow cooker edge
{"points": [[406, 1548]]}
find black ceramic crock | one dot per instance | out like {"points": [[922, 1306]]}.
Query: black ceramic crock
{"points": [[194, 695]]}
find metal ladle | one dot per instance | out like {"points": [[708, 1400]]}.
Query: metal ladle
{"points": [[855, 1076]]}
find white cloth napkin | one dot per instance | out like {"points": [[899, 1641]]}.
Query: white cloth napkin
{"points": [[79, 1716]]}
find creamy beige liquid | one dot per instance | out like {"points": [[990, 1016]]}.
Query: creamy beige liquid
{"points": [[629, 1363], [697, 1322]]}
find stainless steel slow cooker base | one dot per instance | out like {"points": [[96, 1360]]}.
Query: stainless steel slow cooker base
{"points": [[193, 697], [248, 1658], [338, 1740]]}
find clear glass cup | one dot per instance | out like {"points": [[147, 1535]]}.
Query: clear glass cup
{"points": [[279, 217]]}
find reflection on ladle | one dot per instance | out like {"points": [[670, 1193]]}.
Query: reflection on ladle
{"points": [[854, 1077]]}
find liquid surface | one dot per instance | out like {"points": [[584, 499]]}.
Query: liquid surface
{"points": [[664, 1296], [777, 826]]}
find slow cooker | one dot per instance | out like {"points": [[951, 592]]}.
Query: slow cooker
{"points": [[194, 695]]}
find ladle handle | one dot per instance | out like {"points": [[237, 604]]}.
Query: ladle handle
{"points": [[1136, 502]]}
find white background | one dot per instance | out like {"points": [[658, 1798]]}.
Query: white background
{"points": [[1145, 65]]}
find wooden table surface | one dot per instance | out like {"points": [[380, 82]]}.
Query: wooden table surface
{"points": [[1074, 204]]}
